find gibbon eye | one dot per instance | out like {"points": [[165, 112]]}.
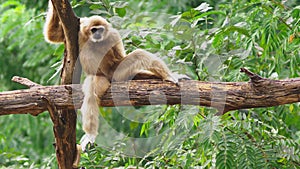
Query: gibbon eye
{"points": [[93, 30], [100, 30]]}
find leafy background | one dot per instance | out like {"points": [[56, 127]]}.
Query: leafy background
{"points": [[208, 41]]}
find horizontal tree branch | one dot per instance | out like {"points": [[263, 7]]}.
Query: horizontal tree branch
{"points": [[224, 96]]}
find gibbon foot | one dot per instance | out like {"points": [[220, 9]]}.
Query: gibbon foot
{"points": [[87, 139]]}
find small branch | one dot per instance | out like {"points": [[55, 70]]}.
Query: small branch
{"points": [[25, 82], [77, 159], [254, 77]]}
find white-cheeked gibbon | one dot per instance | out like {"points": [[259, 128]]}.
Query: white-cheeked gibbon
{"points": [[103, 59]]}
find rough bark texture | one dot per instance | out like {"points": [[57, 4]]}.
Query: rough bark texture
{"points": [[64, 120], [224, 96]]}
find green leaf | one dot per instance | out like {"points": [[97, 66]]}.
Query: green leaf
{"points": [[121, 12], [210, 13], [189, 14], [238, 29]]}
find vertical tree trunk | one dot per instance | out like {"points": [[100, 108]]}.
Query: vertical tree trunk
{"points": [[65, 119]]}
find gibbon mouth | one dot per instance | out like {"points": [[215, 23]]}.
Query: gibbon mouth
{"points": [[97, 39], [97, 36]]}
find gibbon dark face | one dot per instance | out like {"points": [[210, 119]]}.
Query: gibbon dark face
{"points": [[97, 33]]}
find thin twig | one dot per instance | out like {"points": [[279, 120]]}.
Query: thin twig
{"points": [[254, 77], [25, 82]]}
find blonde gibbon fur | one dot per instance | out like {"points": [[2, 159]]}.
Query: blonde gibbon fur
{"points": [[53, 31], [103, 59]]}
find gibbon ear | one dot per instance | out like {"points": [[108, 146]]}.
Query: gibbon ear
{"points": [[84, 19]]}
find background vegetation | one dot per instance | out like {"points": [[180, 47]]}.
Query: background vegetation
{"points": [[207, 40]]}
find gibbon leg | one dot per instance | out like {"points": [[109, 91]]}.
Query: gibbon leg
{"points": [[101, 85], [141, 61], [161, 70]]}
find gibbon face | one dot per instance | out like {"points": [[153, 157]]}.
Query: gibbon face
{"points": [[97, 33], [94, 28]]}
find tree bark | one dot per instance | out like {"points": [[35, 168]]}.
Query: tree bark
{"points": [[64, 120], [224, 96]]}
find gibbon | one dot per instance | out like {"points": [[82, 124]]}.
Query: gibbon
{"points": [[103, 59]]}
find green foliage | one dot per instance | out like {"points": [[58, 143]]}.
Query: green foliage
{"points": [[23, 50], [208, 41], [22, 144], [26, 142], [212, 43]]}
